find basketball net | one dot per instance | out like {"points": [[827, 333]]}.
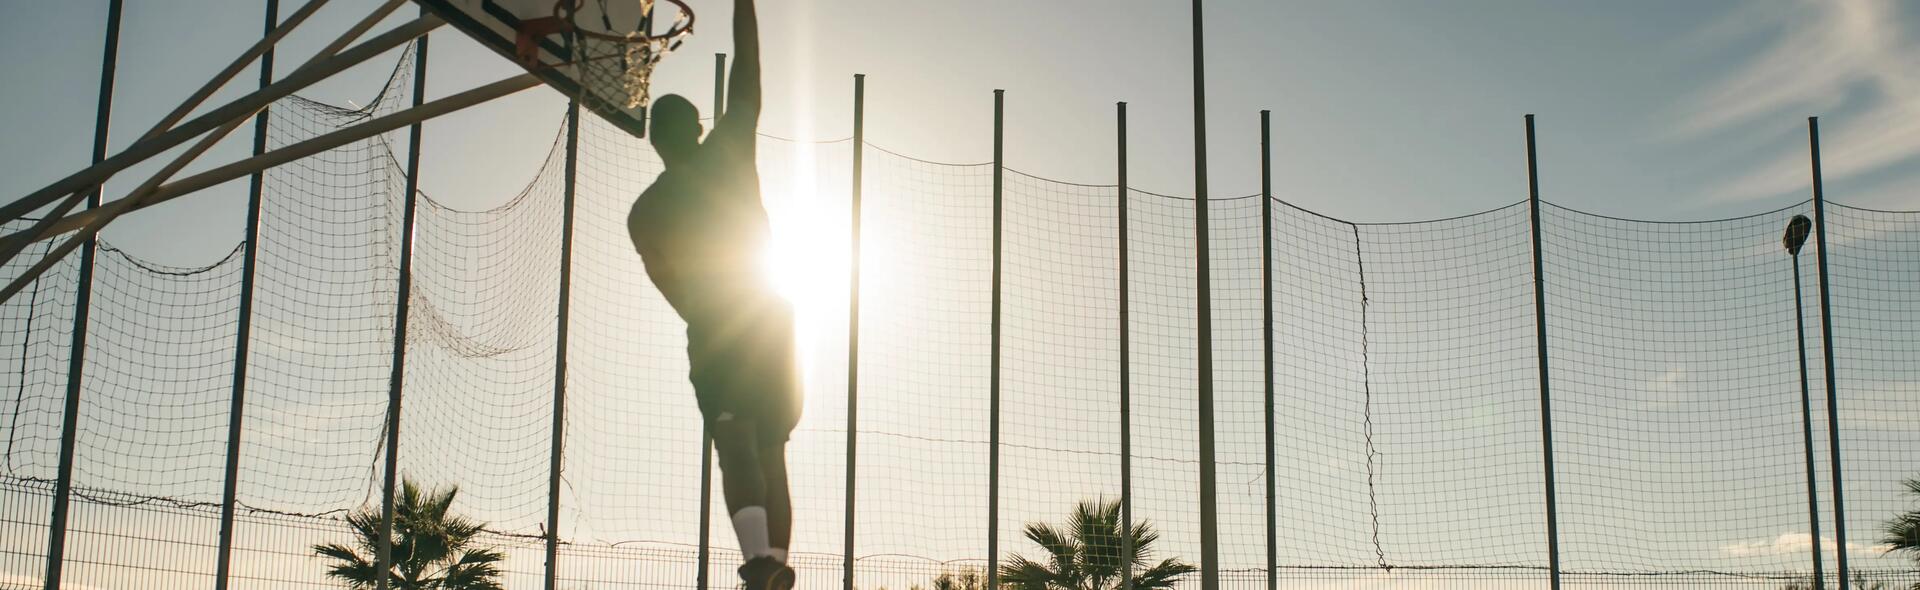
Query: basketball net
{"points": [[613, 63], [617, 70]]}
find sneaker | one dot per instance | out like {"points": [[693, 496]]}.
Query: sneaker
{"points": [[784, 579], [766, 573]]}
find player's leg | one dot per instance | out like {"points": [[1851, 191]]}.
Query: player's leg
{"points": [[743, 483], [746, 487], [773, 468]]}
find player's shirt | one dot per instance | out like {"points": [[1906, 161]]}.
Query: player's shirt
{"points": [[701, 229]]}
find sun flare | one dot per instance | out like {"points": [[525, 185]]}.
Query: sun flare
{"points": [[807, 259]]}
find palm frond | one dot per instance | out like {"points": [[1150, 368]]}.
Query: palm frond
{"points": [[1020, 573], [1902, 534], [474, 570], [357, 574], [1164, 575], [1059, 545], [1098, 526], [366, 529], [338, 552], [1144, 537]]}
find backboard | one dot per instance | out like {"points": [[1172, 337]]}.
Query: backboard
{"points": [[499, 24]]}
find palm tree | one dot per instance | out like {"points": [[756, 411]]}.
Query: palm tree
{"points": [[1086, 554], [432, 549], [1902, 534]]}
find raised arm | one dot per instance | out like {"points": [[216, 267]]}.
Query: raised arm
{"points": [[743, 86]]}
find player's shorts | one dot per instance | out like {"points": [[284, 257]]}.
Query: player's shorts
{"points": [[744, 368]]}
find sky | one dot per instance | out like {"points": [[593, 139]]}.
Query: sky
{"points": [[1383, 111]]}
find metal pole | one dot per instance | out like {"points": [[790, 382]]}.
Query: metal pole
{"points": [[83, 299], [705, 555], [396, 382], [1126, 375], [236, 413], [853, 323], [1826, 343], [1540, 341], [560, 344], [1797, 230], [1266, 338], [1209, 511], [993, 372]]}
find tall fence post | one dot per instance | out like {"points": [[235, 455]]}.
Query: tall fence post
{"points": [[83, 300], [559, 431], [853, 322], [1209, 508], [1126, 370], [1266, 337], [1826, 344], [1540, 341], [705, 555], [993, 371], [396, 383], [236, 412]]}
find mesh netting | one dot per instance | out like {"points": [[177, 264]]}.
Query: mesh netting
{"points": [[1874, 262], [1408, 447], [1162, 318], [925, 345], [37, 330], [1239, 391], [1060, 382], [1676, 348], [1450, 402]]}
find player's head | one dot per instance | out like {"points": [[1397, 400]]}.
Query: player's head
{"points": [[676, 126]]}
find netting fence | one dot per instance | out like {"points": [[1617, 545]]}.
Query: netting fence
{"points": [[1407, 430]]}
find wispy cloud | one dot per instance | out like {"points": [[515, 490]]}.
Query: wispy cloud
{"points": [[1819, 52], [1796, 544]]}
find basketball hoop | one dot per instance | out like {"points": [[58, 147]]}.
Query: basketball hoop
{"points": [[609, 47]]}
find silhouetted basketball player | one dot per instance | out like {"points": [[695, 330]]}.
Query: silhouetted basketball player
{"points": [[701, 230]]}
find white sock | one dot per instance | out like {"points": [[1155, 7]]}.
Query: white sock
{"points": [[778, 554], [750, 525]]}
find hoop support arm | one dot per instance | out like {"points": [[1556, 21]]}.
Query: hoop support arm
{"points": [[323, 143], [239, 109], [89, 222], [226, 75], [12, 247], [18, 241]]}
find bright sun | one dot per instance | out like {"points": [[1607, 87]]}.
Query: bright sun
{"points": [[807, 259]]}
